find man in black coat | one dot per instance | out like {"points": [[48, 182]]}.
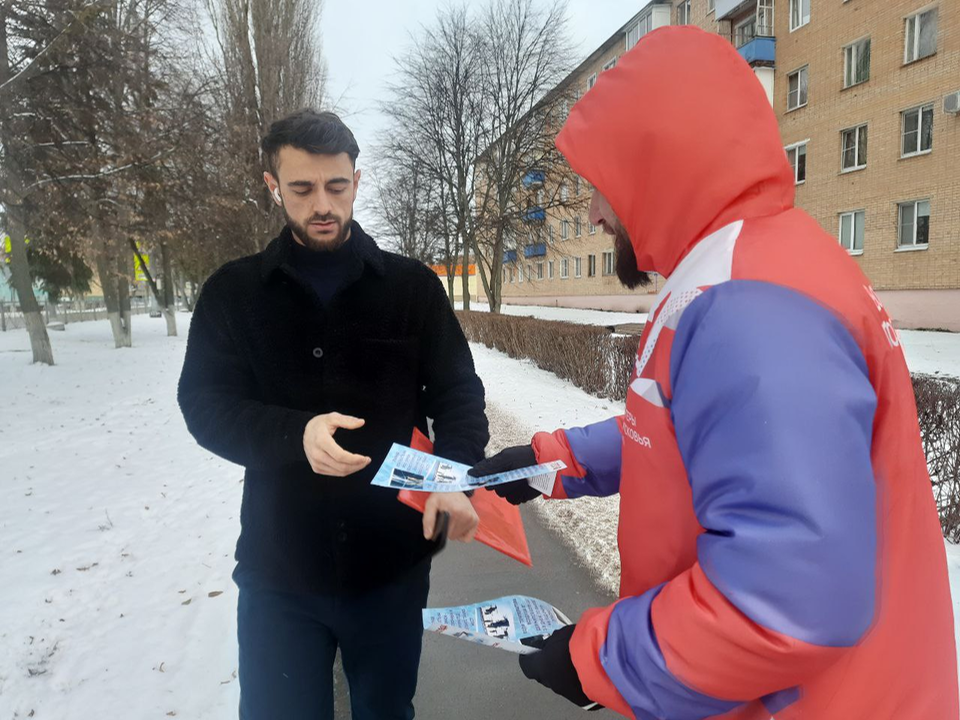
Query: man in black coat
{"points": [[304, 363]]}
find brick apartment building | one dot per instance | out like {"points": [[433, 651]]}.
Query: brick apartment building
{"points": [[866, 95]]}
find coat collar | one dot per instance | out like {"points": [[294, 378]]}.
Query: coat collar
{"points": [[278, 253]]}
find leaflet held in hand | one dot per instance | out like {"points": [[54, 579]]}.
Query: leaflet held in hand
{"points": [[515, 623], [408, 469]]}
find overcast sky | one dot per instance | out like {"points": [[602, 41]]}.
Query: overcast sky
{"points": [[361, 38]]}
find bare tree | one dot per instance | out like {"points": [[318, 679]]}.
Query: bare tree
{"points": [[407, 206], [522, 177], [437, 117], [270, 65]]}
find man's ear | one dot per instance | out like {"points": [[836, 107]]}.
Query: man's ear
{"points": [[356, 183], [274, 188]]}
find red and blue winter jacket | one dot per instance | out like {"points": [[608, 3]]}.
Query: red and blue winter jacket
{"points": [[781, 552]]}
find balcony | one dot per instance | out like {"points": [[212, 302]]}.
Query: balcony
{"points": [[509, 256], [759, 51], [534, 178], [535, 250], [534, 214]]}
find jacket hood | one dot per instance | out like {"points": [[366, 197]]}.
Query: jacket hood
{"points": [[680, 138]]}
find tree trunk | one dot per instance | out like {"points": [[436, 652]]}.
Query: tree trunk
{"points": [[23, 284], [107, 270], [168, 304], [465, 276], [123, 297]]}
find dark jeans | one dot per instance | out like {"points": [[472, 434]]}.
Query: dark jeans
{"points": [[288, 643]]}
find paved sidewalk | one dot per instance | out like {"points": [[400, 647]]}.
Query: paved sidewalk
{"points": [[461, 681]]}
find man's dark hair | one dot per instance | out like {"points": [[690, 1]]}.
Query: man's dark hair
{"points": [[320, 133]]}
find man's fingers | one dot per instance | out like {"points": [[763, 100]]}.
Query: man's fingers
{"points": [[338, 455], [430, 519], [347, 422]]}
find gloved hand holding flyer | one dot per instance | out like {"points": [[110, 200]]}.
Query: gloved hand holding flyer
{"points": [[515, 623], [408, 469]]}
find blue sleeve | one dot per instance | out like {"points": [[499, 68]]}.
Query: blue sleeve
{"points": [[773, 409]]}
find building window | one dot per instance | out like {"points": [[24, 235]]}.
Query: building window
{"points": [[746, 31], [591, 81], [520, 273], [564, 192], [610, 65], [765, 18], [608, 264], [711, 6], [576, 186], [540, 270], [550, 233], [577, 226], [591, 265], [917, 131], [683, 13], [592, 229], [851, 231], [797, 88], [511, 274], [550, 270], [915, 224], [854, 142], [564, 229], [921, 36], [856, 63], [564, 269], [577, 267], [643, 26], [799, 13], [797, 155]]}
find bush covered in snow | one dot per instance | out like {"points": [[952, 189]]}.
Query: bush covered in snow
{"points": [[600, 362], [938, 407]]}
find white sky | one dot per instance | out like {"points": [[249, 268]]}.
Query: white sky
{"points": [[361, 38]]}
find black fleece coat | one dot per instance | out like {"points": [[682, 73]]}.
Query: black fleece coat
{"points": [[264, 357]]}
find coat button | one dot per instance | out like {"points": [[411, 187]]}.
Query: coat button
{"points": [[341, 536], [318, 352]]}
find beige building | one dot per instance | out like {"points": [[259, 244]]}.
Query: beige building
{"points": [[867, 94]]}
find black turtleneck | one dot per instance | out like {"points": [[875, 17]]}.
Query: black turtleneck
{"points": [[326, 271]]}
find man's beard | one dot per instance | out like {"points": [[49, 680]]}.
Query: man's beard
{"points": [[627, 270], [303, 234]]}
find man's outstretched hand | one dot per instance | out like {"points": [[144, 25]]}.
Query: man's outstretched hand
{"points": [[322, 451], [512, 458]]}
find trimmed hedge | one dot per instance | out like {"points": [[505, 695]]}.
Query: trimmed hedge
{"points": [[600, 362]]}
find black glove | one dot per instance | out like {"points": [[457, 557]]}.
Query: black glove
{"points": [[512, 458], [552, 667]]}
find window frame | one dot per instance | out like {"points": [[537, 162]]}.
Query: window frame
{"points": [[795, 147], [564, 268], [802, 88], [861, 163], [852, 214], [903, 122], [801, 21], [578, 267], [851, 57], [915, 19], [592, 265], [901, 246], [608, 272], [549, 269]]}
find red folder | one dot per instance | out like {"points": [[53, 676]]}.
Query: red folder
{"points": [[501, 526]]}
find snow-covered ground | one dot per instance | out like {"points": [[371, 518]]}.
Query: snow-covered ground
{"points": [[117, 531], [579, 316], [117, 536]]}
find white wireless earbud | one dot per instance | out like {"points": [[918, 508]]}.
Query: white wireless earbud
{"points": [[276, 196]]}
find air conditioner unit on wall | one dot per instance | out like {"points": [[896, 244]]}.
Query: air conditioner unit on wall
{"points": [[951, 103]]}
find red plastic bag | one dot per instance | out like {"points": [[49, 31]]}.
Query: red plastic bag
{"points": [[501, 526]]}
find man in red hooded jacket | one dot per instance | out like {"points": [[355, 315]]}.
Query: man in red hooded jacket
{"points": [[781, 554]]}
